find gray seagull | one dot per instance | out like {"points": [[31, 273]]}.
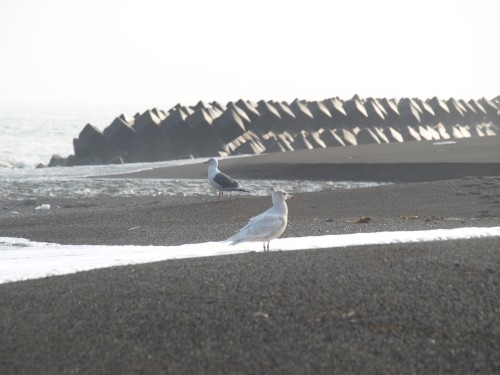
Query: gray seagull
{"points": [[221, 181]]}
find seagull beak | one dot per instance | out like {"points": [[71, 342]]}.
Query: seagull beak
{"points": [[205, 162], [288, 196]]}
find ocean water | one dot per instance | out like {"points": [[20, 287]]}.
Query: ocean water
{"points": [[73, 182], [30, 135]]}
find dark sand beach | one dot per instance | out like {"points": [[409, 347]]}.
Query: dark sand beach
{"points": [[402, 308]]}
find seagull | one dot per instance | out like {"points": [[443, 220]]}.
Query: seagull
{"points": [[221, 181], [268, 225]]}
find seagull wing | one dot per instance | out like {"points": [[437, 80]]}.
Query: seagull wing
{"points": [[226, 182], [260, 227]]}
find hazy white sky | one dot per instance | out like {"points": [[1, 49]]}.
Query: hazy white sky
{"points": [[159, 53]]}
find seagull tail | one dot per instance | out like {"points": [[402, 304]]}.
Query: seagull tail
{"points": [[244, 190], [235, 240]]}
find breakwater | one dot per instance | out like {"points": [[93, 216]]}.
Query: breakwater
{"points": [[244, 127]]}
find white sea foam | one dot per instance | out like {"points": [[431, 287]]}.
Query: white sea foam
{"points": [[22, 259]]}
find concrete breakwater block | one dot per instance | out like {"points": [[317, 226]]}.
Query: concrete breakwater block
{"points": [[288, 121], [200, 122], [322, 118], [380, 134], [391, 109], [348, 137], [336, 108], [366, 136], [153, 144], [457, 112], [271, 143], [330, 138], [427, 114], [286, 139], [492, 110], [443, 131], [250, 147], [123, 135], [249, 108], [243, 126], [269, 118], [409, 112], [392, 134], [425, 133], [229, 126], [145, 119], [356, 111], [176, 130], [240, 112], [301, 143], [92, 147], [409, 133], [203, 138], [303, 117], [376, 113], [57, 161], [480, 111], [315, 140]]}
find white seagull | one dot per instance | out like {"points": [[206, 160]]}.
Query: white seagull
{"points": [[221, 181], [268, 225]]}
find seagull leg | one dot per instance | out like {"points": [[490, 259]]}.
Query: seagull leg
{"points": [[268, 245], [264, 245]]}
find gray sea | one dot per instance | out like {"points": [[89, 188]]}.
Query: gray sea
{"points": [[30, 135]]}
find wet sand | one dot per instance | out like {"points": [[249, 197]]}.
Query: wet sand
{"points": [[402, 308]]}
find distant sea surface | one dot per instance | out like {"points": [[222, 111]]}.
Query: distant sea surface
{"points": [[31, 134]]}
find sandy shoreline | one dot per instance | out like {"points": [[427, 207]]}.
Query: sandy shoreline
{"points": [[467, 202], [412, 308]]}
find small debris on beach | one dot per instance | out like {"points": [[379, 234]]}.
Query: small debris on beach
{"points": [[43, 207], [349, 314], [261, 314], [361, 220], [433, 218], [409, 217], [427, 218]]}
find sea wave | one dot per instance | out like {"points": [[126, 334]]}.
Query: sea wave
{"points": [[74, 182], [12, 164], [74, 187]]}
